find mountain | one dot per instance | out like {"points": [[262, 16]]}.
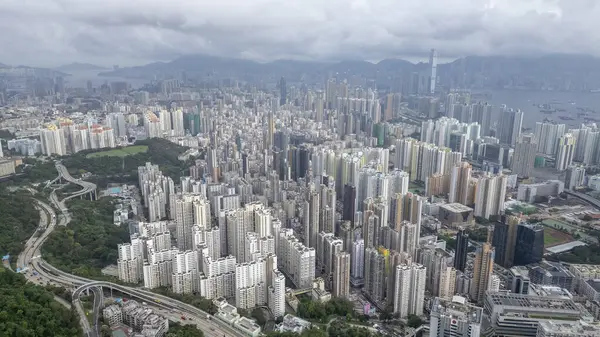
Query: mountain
{"points": [[220, 67], [75, 67], [2, 65], [550, 72]]}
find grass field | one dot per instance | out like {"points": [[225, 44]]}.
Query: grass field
{"points": [[124, 152], [553, 237]]}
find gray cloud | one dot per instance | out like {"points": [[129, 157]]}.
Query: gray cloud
{"points": [[52, 32]]}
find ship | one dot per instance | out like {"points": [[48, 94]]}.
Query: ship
{"points": [[566, 118]]}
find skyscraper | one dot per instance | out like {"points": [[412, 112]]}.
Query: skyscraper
{"points": [[565, 152], [341, 274], [504, 240], [547, 135], [409, 295], [524, 155], [529, 247], [462, 246], [349, 204], [490, 195], [282, 91], [433, 59], [483, 268], [459, 183], [575, 177], [509, 125]]}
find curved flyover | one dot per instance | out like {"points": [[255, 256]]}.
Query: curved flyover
{"points": [[86, 186]]}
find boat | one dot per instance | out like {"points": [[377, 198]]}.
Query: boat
{"points": [[566, 118]]}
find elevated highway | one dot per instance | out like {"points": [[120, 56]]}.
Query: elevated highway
{"points": [[592, 201], [87, 188]]}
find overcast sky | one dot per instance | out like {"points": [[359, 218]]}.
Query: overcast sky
{"points": [[126, 32]]}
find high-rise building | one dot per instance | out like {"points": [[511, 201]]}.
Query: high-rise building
{"points": [[524, 155], [462, 248], [358, 259], [547, 135], [575, 177], [130, 261], [505, 239], [177, 122], [509, 125], [455, 318], [433, 59], [375, 263], [276, 294], [565, 152], [409, 295], [490, 195], [282, 91], [529, 246], [459, 183], [341, 275], [152, 125], [483, 268], [53, 141], [190, 209]]}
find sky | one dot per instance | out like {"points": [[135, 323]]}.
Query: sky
{"points": [[134, 32]]}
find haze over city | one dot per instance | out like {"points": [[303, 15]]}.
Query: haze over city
{"points": [[50, 33], [300, 168]]}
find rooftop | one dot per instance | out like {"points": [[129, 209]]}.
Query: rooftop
{"points": [[568, 327], [456, 208], [533, 302], [458, 307]]}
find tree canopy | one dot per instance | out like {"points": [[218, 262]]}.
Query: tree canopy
{"points": [[160, 152], [343, 329], [414, 321], [29, 310], [89, 242], [19, 220], [178, 330], [313, 332], [321, 311]]}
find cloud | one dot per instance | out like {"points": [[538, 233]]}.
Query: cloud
{"points": [[44, 32]]}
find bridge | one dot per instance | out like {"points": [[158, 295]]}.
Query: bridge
{"points": [[87, 188], [592, 201]]}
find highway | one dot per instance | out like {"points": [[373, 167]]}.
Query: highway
{"points": [[592, 201], [86, 187], [48, 274]]}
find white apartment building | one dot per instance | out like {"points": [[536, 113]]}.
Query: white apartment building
{"points": [[409, 295]]}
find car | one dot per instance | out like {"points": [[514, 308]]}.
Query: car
{"points": [[182, 318]]}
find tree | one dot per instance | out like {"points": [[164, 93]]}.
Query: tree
{"points": [[89, 242], [259, 315], [414, 321], [386, 314], [178, 330], [18, 221], [30, 310]]}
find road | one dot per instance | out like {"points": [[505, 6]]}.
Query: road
{"points": [[86, 187], [47, 274], [592, 201]]}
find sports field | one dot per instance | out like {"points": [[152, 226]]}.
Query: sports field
{"points": [[552, 237], [124, 152]]}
